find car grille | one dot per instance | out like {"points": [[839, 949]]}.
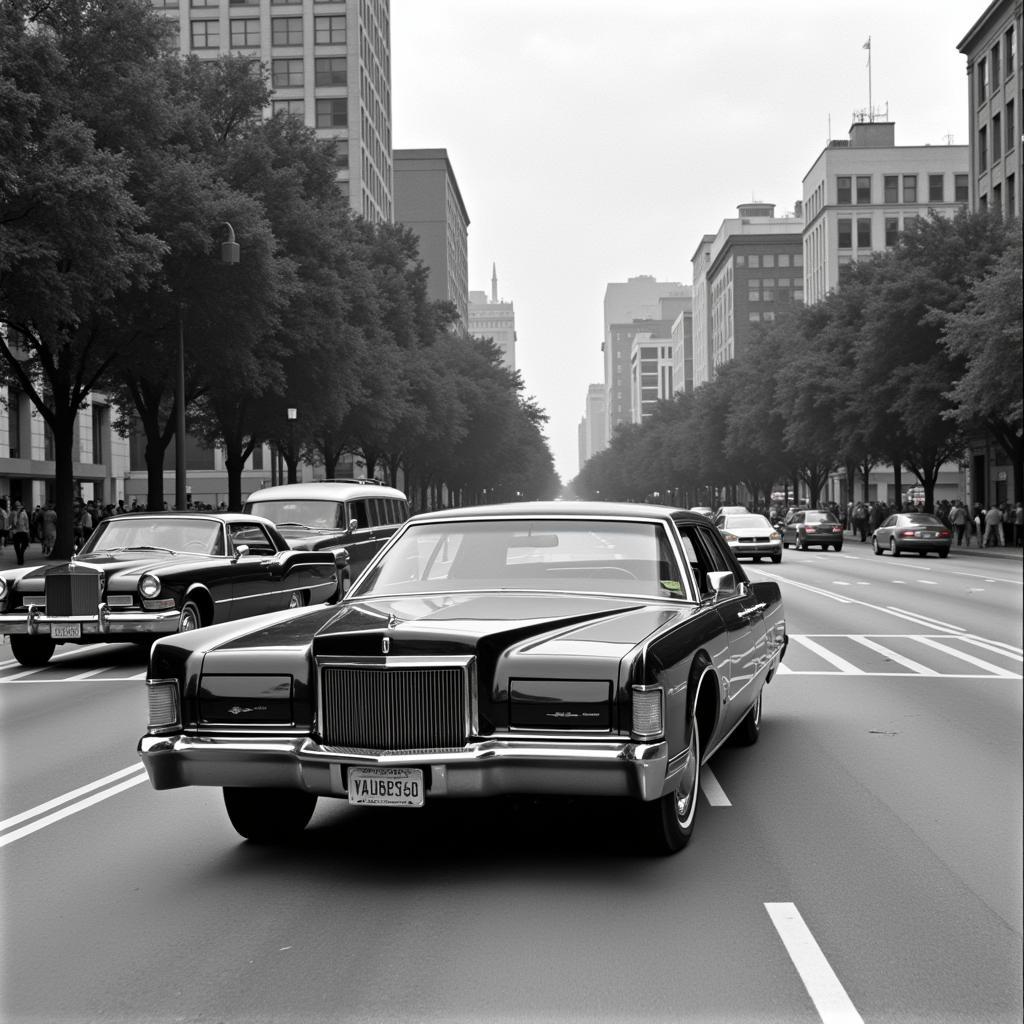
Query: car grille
{"points": [[380, 707], [754, 540], [72, 593]]}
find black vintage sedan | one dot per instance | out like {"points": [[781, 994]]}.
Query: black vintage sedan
{"points": [[538, 648], [145, 574]]}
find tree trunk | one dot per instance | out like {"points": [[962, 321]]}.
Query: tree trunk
{"points": [[64, 485], [897, 479]]}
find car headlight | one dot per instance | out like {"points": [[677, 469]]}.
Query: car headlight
{"points": [[149, 585], [730, 536], [774, 535]]}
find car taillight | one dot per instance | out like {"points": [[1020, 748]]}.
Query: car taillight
{"points": [[908, 533], [837, 529], [808, 529], [945, 533], [164, 711]]}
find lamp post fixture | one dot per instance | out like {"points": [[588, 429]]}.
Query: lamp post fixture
{"points": [[292, 460], [229, 253]]}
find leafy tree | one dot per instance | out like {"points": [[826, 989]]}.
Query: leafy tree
{"points": [[985, 336]]}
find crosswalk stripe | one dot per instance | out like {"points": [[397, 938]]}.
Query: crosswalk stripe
{"points": [[964, 656], [823, 652], [892, 655]]}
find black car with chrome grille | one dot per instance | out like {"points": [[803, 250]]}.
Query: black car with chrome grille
{"points": [[143, 575], [538, 648]]}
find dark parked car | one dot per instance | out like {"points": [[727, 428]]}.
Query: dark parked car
{"points": [[812, 527], [351, 518], [554, 648], [919, 532], [145, 574]]}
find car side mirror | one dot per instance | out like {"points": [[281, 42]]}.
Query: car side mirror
{"points": [[722, 582], [241, 550], [353, 524]]}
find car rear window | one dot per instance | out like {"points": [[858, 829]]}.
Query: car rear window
{"points": [[921, 519], [310, 512], [820, 517]]}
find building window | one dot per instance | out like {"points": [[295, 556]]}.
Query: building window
{"points": [[843, 193], [845, 233], [936, 192], [754, 318], [1010, 50], [166, 4], [241, 3], [982, 80], [741, 261], [910, 188], [205, 35], [982, 149], [996, 66], [754, 290], [294, 108], [798, 259], [997, 200], [245, 32], [1010, 130], [768, 260], [783, 259], [287, 72], [203, 3], [1011, 209], [769, 316], [768, 291], [891, 184], [332, 113], [960, 192], [331, 71], [286, 31], [997, 138], [330, 28], [863, 188], [341, 152], [863, 232], [892, 231]]}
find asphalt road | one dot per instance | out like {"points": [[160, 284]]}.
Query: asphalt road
{"points": [[861, 862]]}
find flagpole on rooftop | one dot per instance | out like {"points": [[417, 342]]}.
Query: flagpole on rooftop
{"points": [[871, 109]]}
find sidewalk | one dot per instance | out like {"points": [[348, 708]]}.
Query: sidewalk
{"points": [[1006, 553]]}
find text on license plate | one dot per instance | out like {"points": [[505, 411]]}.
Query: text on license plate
{"points": [[386, 787], [66, 630]]}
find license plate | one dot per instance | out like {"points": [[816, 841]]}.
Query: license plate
{"points": [[66, 630], [928, 535], [386, 787]]}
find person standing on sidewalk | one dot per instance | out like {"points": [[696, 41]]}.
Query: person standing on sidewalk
{"points": [[19, 531], [993, 521], [958, 519]]}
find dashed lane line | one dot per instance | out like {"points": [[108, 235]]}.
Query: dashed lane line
{"points": [[830, 999]]}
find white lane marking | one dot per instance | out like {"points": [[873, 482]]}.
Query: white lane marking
{"points": [[68, 797], [833, 659], [934, 623], [995, 646], [827, 993], [802, 586], [892, 655], [712, 790], [66, 812], [930, 583], [970, 659], [989, 579], [841, 583]]}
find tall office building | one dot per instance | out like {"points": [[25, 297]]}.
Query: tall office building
{"points": [[860, 193], [632, 307], [428, 201], [994, 78], [494, 319], [591, 430], [330, 65], [741, 278]]}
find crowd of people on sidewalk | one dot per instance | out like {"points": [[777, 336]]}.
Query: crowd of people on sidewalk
{"points": [[999, 525]]}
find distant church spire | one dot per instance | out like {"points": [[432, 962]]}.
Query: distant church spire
{"points": [[494, 282]]}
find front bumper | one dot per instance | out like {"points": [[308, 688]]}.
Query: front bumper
{"points": [[36, 622], [490, 767], [744, 548]]}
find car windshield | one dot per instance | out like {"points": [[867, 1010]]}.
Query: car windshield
{"points": [[313, 513], [753, 522], [920, 519], [527, 554], [820, 517], [166, 533]]}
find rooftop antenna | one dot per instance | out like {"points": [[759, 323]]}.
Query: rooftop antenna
{"points": [[871, 111], [949, 140]]}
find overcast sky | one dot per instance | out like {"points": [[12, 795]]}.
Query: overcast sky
{"points": [[596, 140]]}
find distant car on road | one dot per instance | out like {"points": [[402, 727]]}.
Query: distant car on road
{"points": [[351, 518], [142, 575], [751, 536], [907, 532], [730, 510], [703, 510], [812, 527], [554, 648]]}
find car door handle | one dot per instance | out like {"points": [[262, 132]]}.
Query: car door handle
{"points": [[754, 609]]}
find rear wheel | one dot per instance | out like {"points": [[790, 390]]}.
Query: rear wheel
{"points": [[874, 546], [750, 728], [943, 554], [31, 651], [269, 815], [670, 819], [893, 550]]}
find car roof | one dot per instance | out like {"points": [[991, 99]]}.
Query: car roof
{"points": [[562, 510], [326, 490], [220, 517]]}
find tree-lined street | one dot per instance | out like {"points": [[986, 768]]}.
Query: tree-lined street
{"points": [[879, 814]]}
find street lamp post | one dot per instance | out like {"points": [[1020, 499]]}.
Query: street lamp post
{"points": [[229, 253], [292, 460]]}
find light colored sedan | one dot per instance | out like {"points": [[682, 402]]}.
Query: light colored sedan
{"points": [[751, 536], [912, 531]]}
